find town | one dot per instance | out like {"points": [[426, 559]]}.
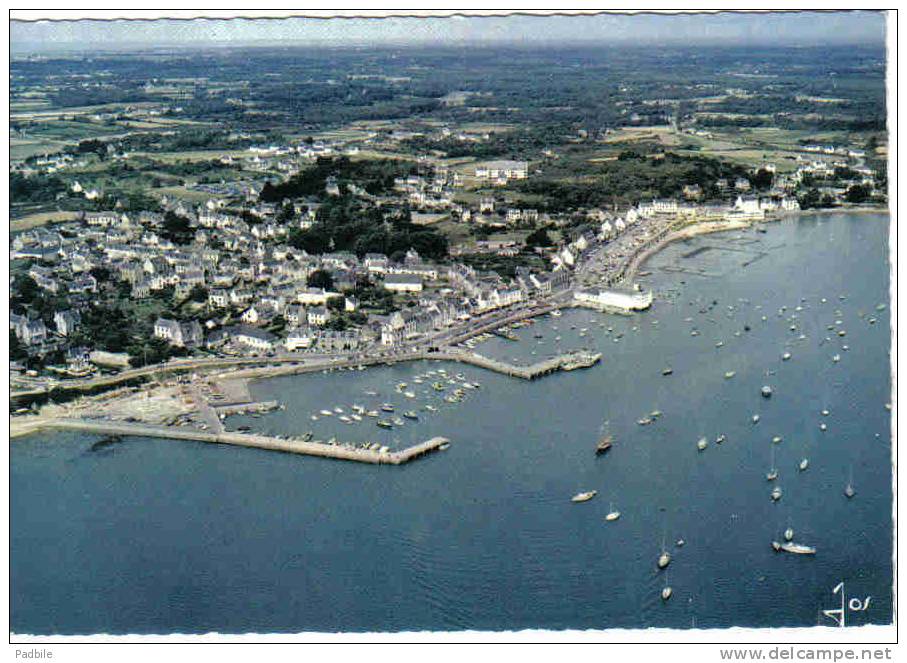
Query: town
{"points": [[234, 285]]}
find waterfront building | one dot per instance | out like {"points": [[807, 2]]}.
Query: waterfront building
{"points": [[614, 299], [180, 334]]}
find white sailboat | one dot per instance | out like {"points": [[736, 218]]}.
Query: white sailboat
{"points": [[612, 514], [665, 558], [772, 473]]}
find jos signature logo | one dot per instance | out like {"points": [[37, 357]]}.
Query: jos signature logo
{"points": [[855, 604]]}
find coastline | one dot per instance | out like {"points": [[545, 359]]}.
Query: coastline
{"points": [[709, 227], [275, 367]]}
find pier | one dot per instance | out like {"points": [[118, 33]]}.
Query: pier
{"points": [[251, 406], [311, 448], [565, 362]]}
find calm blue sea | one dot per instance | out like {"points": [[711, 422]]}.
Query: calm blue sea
{"points": [[156, 536]]}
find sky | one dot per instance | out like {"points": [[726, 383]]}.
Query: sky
{"points": [[802, 28]]}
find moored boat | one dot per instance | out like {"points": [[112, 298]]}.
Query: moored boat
{"points": [[584, 497], [795, 548]]}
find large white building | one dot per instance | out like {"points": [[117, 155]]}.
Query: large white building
{"points": [[614, 299], [403, 283], [506, 170]]}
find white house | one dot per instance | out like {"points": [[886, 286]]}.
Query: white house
{"points": [[299, 339], [317, 315], [403, 283]]}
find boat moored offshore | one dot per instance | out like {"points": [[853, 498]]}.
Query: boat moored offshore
{"points": [[584, 497]]}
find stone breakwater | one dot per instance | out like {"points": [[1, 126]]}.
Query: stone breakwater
{"points": [[307, 448]]}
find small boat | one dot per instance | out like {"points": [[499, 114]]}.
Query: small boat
{"points": [[437, 386], [431, 408], [383, 423], [604, 444], [823, 427], [680, 543], [338, 410], [664, 559], [444, 446], [645, 421], [776, 493], [372, 413], [721, 438], [398, 421], [729, 374], [387, 407], [584, 497], [785, 356], [667, 371], [314, 417], [766, 391], [612, 514], [327, 413], [755, 418], [356, 417], [655, 414], [848, 489], [409, 394], [772, 473], [345, 419], [666, 593], [789, 534], [803, 464], [836, 358], [371, 393], [795, 548], [825, 413], [719, 344], [702, 444], [777, 439], [410, 414]]}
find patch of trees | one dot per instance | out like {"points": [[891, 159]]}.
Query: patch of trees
{"points": [[176, 228], [35, 188], [858, 193], [376, 176], [538, 238], [632, 177], [320, 278], [346, 224], [813, 199]]}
